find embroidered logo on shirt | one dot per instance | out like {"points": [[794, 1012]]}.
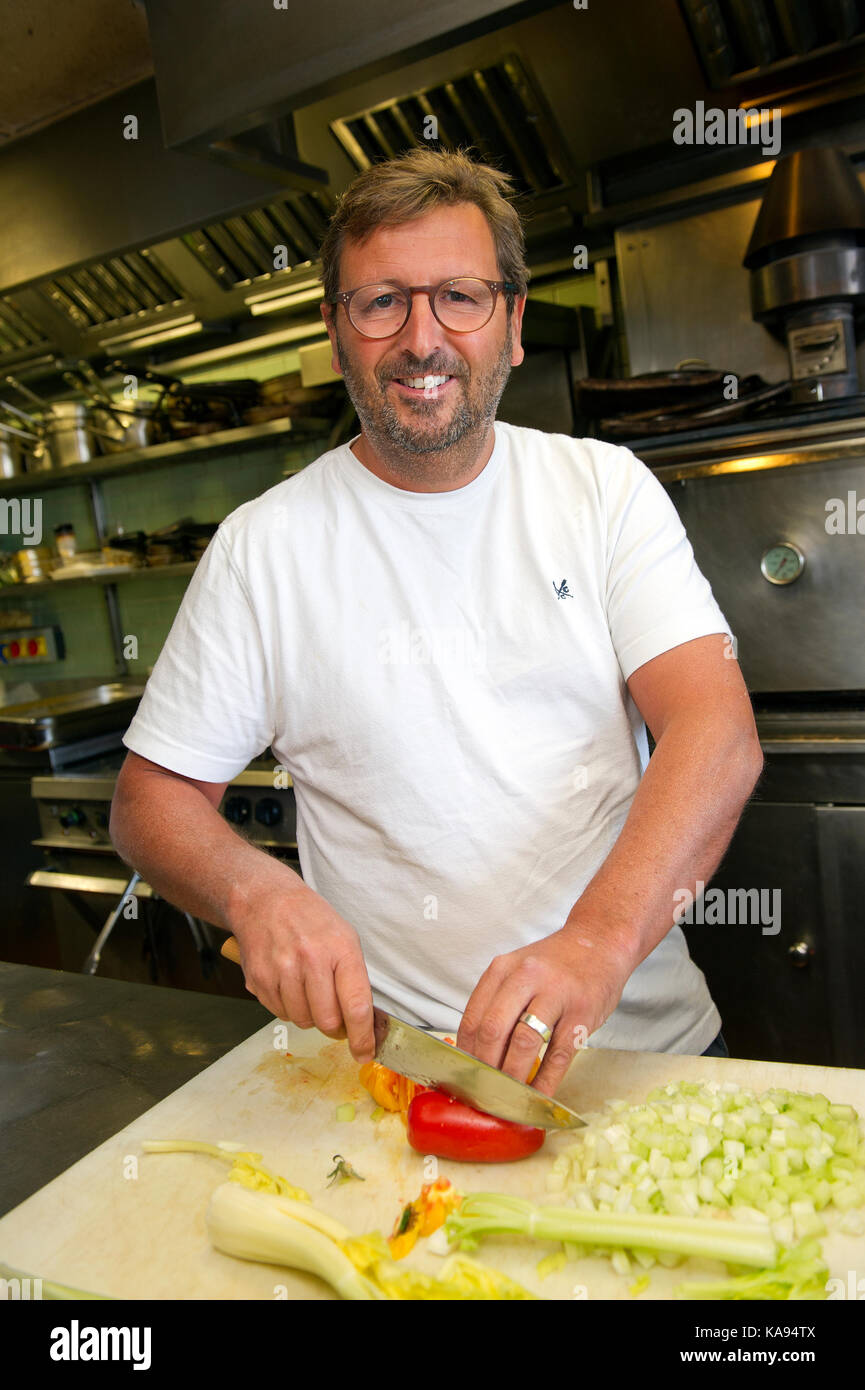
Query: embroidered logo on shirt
{"points": [[562, 590]]}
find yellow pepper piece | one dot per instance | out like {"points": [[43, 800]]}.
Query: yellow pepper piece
{"points": [[423, 1216], [388, 1088]]}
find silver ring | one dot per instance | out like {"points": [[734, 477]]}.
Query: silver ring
{"points": [[539, 1027]]}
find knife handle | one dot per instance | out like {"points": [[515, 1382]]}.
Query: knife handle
{"points": [[230, 949]]}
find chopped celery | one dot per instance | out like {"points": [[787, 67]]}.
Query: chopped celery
{"points": [[551, 1264], [784, 1159]]}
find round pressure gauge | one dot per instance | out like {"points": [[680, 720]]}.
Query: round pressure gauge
{"points": [[782, 563]]}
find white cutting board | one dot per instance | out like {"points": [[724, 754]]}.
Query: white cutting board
{"points": [[131, 1225]]}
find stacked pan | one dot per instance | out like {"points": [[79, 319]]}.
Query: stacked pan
{"points": [[63, 433]]}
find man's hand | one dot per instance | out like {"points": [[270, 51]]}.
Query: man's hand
{"points": [[681, 820], [304, 962], [571, 981]]}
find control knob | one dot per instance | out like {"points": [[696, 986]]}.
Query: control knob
{"points": [[268, 811], [237, 810]]}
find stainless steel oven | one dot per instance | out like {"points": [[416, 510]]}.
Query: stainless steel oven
{"points": [[85, 880], [776, 517]]}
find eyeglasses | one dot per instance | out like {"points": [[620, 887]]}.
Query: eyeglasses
{"points": [[461, 306]]}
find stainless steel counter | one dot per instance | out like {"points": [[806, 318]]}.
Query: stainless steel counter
{"points": [[80, 1057]]}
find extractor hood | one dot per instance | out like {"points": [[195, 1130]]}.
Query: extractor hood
{"points": [[113, 245]]}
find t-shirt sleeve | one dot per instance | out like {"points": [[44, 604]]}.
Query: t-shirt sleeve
{"points": [[657, 598], [206, 711]]}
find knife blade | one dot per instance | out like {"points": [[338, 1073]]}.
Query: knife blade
{"points": [[422, 1057]]}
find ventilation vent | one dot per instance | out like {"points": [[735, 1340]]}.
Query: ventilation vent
{"points": [[112, 290], [737, 39], [240, 250], [18, 331], [498, 110]]}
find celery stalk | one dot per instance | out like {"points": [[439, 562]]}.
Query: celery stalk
{"points": [[799, 1274], [49, 1290], [487, 1213]]}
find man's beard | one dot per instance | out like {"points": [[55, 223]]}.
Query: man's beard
{"points": [[405, 442]]}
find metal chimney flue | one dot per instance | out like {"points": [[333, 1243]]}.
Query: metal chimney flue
{"points": [[807, 261]]}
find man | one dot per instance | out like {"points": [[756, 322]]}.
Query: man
{"points": [[453, 633]]}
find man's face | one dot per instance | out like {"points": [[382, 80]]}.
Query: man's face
{"points": [[448, 242]]}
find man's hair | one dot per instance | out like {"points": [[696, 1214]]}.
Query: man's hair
{"points": [[395, 191]]}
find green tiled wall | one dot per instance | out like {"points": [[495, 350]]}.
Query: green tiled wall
{"points": [[204, 489], [147, 609], [59, 505]]}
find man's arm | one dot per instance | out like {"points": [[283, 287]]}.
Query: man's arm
{"points": [[706, 763], [300, 958]]}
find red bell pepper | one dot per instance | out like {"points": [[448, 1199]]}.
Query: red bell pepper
{"points": [[440, 1125]]}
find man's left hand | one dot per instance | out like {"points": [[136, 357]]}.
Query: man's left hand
{"points": [[571, 981]]}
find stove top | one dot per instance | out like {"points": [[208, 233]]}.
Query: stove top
{"points": [[108, 764], [850, 411]]}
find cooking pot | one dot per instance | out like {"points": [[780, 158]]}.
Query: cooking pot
{"points": [[35, 563], [68, 434], [16, 456], [11, 462], [64, 431], [120, 428], [12, 451]]}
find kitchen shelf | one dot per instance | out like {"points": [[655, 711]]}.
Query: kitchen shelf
{"points": [[92, 475], [163, 455], [45, 586]]}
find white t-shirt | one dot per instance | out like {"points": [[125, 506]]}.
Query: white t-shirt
{"points": [[443, 675]]}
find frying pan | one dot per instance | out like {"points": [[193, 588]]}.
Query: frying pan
{"points": [[651, 391], [193, 408]]}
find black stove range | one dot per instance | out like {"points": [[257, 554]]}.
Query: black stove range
{"points": [[80, 875], [831, 418], [775, 512]]}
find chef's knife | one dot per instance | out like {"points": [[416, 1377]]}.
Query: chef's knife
{"points": [[422, 1057]]}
